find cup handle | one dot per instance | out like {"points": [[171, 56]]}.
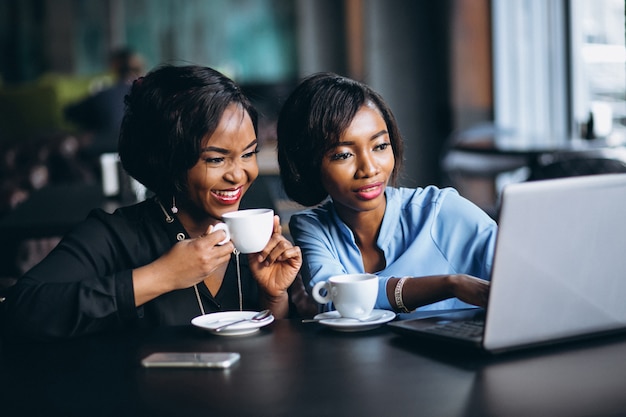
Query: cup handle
{"points": [[322, 299], [224, 227]]}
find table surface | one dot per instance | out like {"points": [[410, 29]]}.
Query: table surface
{"points": [[293, 369]]}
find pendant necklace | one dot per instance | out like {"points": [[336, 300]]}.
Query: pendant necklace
{"points": [[181, 236]]}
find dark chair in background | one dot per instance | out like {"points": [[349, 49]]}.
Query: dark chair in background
{"points": [[481, 160], [578, 163], [472, 163]]}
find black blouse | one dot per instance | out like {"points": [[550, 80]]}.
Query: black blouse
{"points": [[85, 284]]}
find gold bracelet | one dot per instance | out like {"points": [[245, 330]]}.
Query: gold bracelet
{"points": [[398, 296]]}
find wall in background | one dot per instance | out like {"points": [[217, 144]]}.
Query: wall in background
{"points": [[429, 59], [251, 40]]}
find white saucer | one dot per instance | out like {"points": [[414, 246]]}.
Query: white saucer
{"points": [[334, 320], [214, 320]]}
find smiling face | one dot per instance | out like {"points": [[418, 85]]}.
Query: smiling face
{"points": [[226, 168], [356, 172]]}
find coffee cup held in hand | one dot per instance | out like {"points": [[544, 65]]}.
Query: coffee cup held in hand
{"points": [[250, 229], [353, 295]]}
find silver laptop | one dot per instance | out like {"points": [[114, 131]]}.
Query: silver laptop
{"points": [[559, 270]]}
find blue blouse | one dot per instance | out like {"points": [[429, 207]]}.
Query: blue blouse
{"points": [[425, 231]]}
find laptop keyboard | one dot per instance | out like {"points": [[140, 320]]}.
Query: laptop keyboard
{"points": [[465, 329]]}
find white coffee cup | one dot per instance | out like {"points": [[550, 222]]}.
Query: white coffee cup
{"points": [[109, 165], [250, 229], [353, 295]]}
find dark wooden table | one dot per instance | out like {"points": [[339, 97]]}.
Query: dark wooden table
{"points": [[295, 369]]}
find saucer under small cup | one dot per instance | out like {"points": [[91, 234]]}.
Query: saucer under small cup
{"points": [[212, 321], [334, 320]]}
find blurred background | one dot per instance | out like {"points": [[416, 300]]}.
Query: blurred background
{"points": [[486, 92]]}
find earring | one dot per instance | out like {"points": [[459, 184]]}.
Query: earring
{"points": [[174, 208]]}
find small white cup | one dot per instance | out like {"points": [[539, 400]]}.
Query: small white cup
{"points": [[110, 176], [353, 295], [250, 229]]}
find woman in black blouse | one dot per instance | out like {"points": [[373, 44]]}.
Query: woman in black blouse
{"points": [[189, 136]]}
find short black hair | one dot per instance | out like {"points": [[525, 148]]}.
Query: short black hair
{"points": [[311, 122], [168, 114]]}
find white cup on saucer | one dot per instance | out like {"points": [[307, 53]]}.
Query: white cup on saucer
{"points": [[250, 229], [353, 295]]}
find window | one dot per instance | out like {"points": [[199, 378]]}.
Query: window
{"points": [[559, 71], [599, 69]]}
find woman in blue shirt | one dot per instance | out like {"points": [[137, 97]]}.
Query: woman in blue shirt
{"points": [[430, 247]]}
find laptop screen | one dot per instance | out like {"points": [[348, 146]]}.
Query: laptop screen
{"points": [[559, 269]]}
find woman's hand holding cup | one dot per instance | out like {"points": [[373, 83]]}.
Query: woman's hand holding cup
{"points": [[273, 259]]}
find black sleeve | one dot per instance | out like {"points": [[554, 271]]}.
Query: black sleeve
{"points": [[83, 286]]}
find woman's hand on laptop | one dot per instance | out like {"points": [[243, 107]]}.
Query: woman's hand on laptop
{"points": [[470, 289]]}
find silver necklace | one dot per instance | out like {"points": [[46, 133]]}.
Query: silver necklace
{"points": [[195, 287], [168, 218], [180, 236]]}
